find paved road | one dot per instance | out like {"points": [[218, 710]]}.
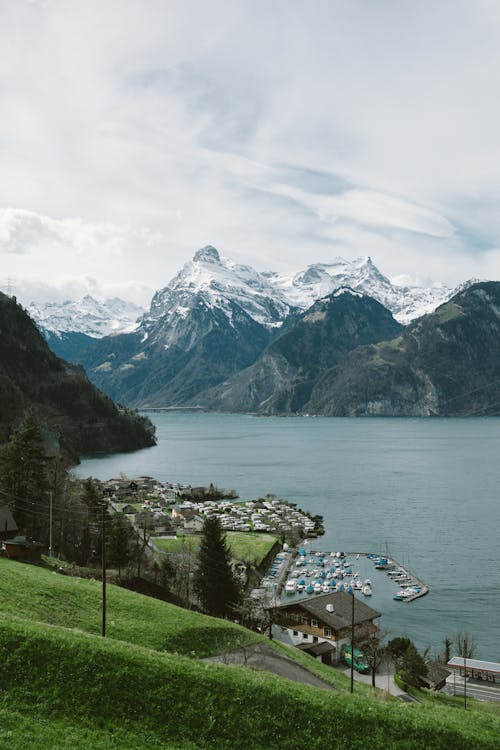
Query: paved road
{"points": [[481, 691], [267, 659]]}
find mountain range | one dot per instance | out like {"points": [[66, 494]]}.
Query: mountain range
{"points": [[223, 336]]}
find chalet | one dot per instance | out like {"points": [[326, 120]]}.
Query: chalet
{"points": [[183, 512], [195, 523], [20, 548], [8, 526], [325, 619]]}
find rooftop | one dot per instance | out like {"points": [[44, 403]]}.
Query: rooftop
{"points": [[342, 606], [457, 662]]}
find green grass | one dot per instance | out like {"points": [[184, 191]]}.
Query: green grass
{"points": [[65, 687], [34, 593], [245, 546], [170, 701], [447, 312]]}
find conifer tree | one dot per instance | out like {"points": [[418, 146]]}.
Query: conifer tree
{"points": [[120, 541], [214, 581], [23, 479]]}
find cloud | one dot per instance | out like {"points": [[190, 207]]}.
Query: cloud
{"points": [[369, 208], [282, 133]]}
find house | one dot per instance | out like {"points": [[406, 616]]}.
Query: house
{"points": [[20, 548], [436, 676], [194, 524], [8, 526], [325, 619]]}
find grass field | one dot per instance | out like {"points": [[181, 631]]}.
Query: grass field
{"points": [[65, 687], [34, 593], [245, 546]]}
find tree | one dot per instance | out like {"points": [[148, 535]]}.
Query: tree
{"points": [[374, 652], [214, 581], [465, 644], [120, 541], [408, 660], [23, 479]]}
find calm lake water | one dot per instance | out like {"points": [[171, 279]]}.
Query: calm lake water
{"points": [[427, 488]]}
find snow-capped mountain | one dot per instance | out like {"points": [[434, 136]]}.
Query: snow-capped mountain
{"points": [[87, 316], [406, 303], [210, 282]]}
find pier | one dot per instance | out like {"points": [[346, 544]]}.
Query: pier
{"points": [[424, 588]]}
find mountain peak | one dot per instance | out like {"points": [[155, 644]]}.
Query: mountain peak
{"points": [[209, 254]]}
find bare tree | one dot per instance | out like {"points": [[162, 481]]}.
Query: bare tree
{"points": [[374, 651]]}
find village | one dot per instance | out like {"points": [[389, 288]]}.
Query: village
{"points": [[171, 509]]}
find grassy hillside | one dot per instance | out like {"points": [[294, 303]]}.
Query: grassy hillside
{"points": [[64, 688], [165, 700], [38, 594], [249, 547]]}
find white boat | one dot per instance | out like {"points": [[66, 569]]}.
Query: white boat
{"points": [[367, 582], [325, 588], [317, 588], [291, 586], [300, 587], [367, 590]]}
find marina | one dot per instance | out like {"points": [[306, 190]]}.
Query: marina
{"points": [[297, 574]]}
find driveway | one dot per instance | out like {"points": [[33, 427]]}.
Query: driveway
{"points": [[267, 659]]}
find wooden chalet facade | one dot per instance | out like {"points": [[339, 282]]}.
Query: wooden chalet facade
{"points": [[327, 618]]}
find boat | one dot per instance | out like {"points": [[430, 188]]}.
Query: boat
{"points": [[325, 588], [398, 598], [367, 582], [317, 588], [309, 588], [366, 590], [291, 586], [300, 588]]}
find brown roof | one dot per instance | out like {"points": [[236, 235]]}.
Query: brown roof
{"points": [[342, 614]]}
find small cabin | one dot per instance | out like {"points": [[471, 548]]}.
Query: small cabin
{"points": [[23, 549]]}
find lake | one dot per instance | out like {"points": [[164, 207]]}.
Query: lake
{"points": [[427, 489]]}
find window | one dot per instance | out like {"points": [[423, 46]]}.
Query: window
{"points": [[295, 632], [304, 635], [315, 638], [314, 623], [327, 632]]}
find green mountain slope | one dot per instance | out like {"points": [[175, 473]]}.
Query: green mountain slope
{"points": [[33, 380], [446, 363], [281, 380]]}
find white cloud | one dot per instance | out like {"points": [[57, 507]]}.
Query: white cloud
{"points": [[133, 133]]}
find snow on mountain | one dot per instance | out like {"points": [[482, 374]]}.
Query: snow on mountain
{"points": [[87, 315], [211, 282], [316, 281]]}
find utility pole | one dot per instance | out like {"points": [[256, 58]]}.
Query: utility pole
{"points": [[50, 524], [465, 682], [103, 623], [352, 643]]}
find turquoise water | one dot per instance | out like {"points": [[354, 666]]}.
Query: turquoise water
{"points": [[427, 488]]}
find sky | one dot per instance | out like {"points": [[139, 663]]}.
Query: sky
{"points": [[133, 132]]}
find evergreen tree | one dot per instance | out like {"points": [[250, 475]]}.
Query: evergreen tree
{"points": [[120, 541], [214, 581], [23, 479]]}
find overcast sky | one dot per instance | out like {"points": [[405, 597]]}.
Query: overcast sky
{"points": [[282, 132]]}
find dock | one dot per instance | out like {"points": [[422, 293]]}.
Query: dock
{"points": [[424, 588]]}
